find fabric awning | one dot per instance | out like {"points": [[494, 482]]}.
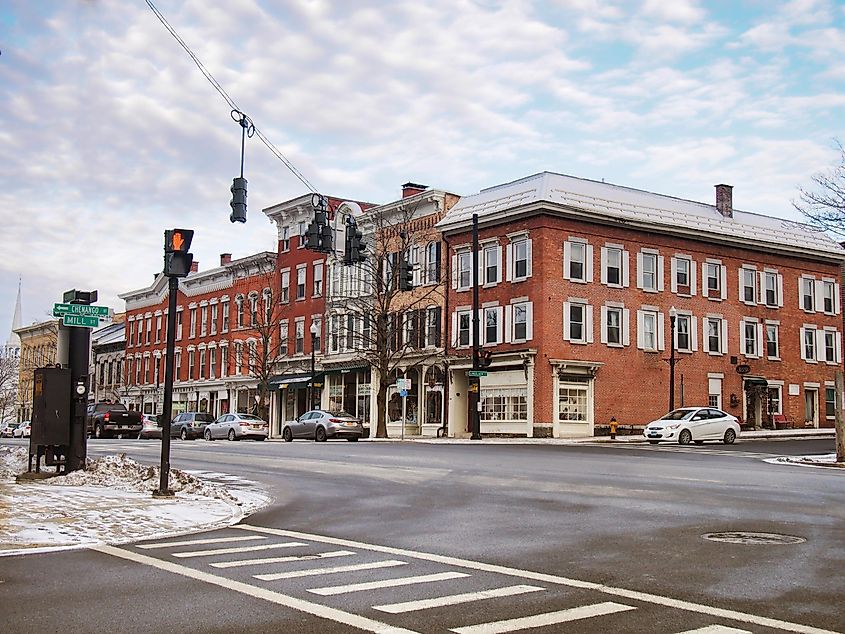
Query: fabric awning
{"points": [[755, 381], [283, 381]]}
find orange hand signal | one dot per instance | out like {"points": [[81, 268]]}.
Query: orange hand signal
{"points": [[178, 241]]}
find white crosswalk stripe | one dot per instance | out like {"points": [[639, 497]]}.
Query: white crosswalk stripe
{"points": [[386, 583], [542, 620], [243, 549], [192, 542], [716, 629], [312, 572], [280, 560], [455, 599]]}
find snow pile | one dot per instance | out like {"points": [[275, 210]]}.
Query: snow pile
{"points": [[821, 460], [13, 460]]}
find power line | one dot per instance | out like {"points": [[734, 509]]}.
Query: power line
{"points": [[231, 102]]}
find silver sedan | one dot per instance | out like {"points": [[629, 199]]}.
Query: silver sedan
{"points": [[322, 425], [237, 426]]}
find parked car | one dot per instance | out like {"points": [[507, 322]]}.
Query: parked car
{"points": [[693, 424], [8, 431], [104, 420], [322, 424], [150, 427], [236, 426], [24, 430], [190, 425]]}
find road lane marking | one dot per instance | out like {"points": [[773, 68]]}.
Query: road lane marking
{"points": [[280, 560], [635, 595], [715, 629], [241, 549], [386, 583], [455, 599], [315, 609], [541, 620], [191, 542], [311, 572]]}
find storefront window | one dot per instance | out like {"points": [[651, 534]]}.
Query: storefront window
{"points": [[504, 404]]}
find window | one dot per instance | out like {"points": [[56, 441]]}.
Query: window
{"points": [[522, 322], [748, 285], [317, 337], [268, 306], [239, 357], [649, 329], [214, 319], [318, 279], [714, 283], [772, 284], [683, 272], [716, 335], [504, 404], [492, 256], [212, 363], [202, 362], [577, 260], [177, 366], [714, 396], [750, 333], [300, 282], [224, 308], [521, 250], [432, 262], [613, 326], [773, 394], [577, 321], [203, 321], [683, 333], [649, 271], [830, 355], [283, 338], [808, 345], [284, 240], [464, 270], [131, 333], [612, 266], [224, 360], [808, 294], [149, 336], [432, 328], [300, 336], [828, 297], [191, 364], [366, 330], [284, 287], [239, 302], [193, 330], [350, 331], [492, 325], [137, 371], [303, 228], [772, 351], [830, 402], [158, 328], [464, 328]]}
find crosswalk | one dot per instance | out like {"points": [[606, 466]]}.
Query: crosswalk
{"points": [[713, 450], [352, 583]]}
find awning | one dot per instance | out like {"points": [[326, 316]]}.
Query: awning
{"points": [[344, 367], [754, 381], [283, 381]]}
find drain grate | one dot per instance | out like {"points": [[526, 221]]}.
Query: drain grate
{"points": [[743, 537]]}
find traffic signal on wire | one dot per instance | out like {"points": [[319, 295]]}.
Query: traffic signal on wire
{"points": [[238, 203], [406, 275]]}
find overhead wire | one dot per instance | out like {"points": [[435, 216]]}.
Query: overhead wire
{"points": [[231, 102]]}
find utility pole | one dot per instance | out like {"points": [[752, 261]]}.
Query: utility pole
{"points": [[839, 423], [475, 381]]}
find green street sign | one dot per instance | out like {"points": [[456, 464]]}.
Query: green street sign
{"points": [[477, 373], [86, 321], [60, 310]]}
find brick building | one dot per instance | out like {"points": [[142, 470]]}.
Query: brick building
{"points": [[39, 348], [583, 284]]}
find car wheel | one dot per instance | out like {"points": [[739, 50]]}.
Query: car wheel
{"points": [[353, 439], [320, 435], [730, 436], [699, 442], [231, 435], [98, 432], [685, 437], [653, 442], [183, 434], [287, 434], [208, 434]]}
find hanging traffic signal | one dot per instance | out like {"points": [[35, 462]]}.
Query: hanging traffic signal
{"points": [[406, 276], [177, 260], [312, 237], [238, 203], [348, 255]]}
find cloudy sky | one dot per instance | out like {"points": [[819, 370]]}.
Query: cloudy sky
{"points": [[109, 134]]}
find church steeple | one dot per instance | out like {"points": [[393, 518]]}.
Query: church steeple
{"points": [[14, 340]]}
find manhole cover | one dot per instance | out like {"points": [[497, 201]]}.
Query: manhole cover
{"points": [[741, 537]]}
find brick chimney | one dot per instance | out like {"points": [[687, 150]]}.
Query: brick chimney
{"points": [[225, 258], [195, 266], [411, 189], [724, 200]]}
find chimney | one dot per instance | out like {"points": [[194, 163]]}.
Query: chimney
{"points": [[411, 189], [225, 258], [724, 200], [195, 266]]}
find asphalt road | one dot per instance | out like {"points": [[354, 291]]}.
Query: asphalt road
{"points": [[549, 538]]}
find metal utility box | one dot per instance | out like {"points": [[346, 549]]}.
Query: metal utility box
{"points": [[51, 407]]}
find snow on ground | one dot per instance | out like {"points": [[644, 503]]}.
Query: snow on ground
{"points": [[111, 502], [820, 460]]}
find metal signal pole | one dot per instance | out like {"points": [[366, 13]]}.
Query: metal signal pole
{"points": [[167, 408], [475, 381]]}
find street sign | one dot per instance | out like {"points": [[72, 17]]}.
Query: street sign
{"points": [[477, 373], [80, 309], [403, 393], [86, 321], [403, 384]]}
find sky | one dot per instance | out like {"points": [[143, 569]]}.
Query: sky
{"points": [[109, 134]]}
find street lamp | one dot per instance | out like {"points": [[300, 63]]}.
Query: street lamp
{"points": [[313, 330], [673, 314]]}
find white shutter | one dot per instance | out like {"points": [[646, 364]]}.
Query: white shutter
{"points": [[836, 298], [760, 343], [603, 325], [567, 259], [566, 321], [693, 277], [528, 255], [415, 256], [673, 272], [529, 320], [838, 339], [640, 343], [509, 263], [589, 263], [604, 265], [500, 324], [819, 296], [742, 337], [660, 265], [455, 329], [660, 330], [626, 327], [589, 311], [482, 266], [820, 345], [498, 262], [693, 326], [704, 290], [724, 281], [780, 289], [625, 267], [803, 349], [454, 271], [508, 323], [800, 292], [741, 286], [761, 287], [640, 270], [724, 342]]}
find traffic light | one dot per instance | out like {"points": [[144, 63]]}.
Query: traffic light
{"points": [[319, 236], [312, 237], [177, 260], [348, 256], [485, 358], [406, 276], [238, 203]]}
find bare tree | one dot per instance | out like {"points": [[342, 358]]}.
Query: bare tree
{"points": [[369, 313], [9, 366], [823, 204]]}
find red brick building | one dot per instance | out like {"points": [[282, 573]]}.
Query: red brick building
{"points": [[585, 284]]}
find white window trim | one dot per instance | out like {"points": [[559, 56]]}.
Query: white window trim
{"points": [[588, 260], [588, 320], [749, 268], [659, 329], [624, 325], [658, 270], [624, 263]]}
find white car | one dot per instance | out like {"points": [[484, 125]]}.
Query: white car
{"points": [[693, 424], [24, 430], [237, 426]]}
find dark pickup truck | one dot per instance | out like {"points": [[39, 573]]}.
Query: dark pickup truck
{"points": [[107, 420]]}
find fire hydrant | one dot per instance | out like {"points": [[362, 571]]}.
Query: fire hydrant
{"points": [[613, 425]]}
